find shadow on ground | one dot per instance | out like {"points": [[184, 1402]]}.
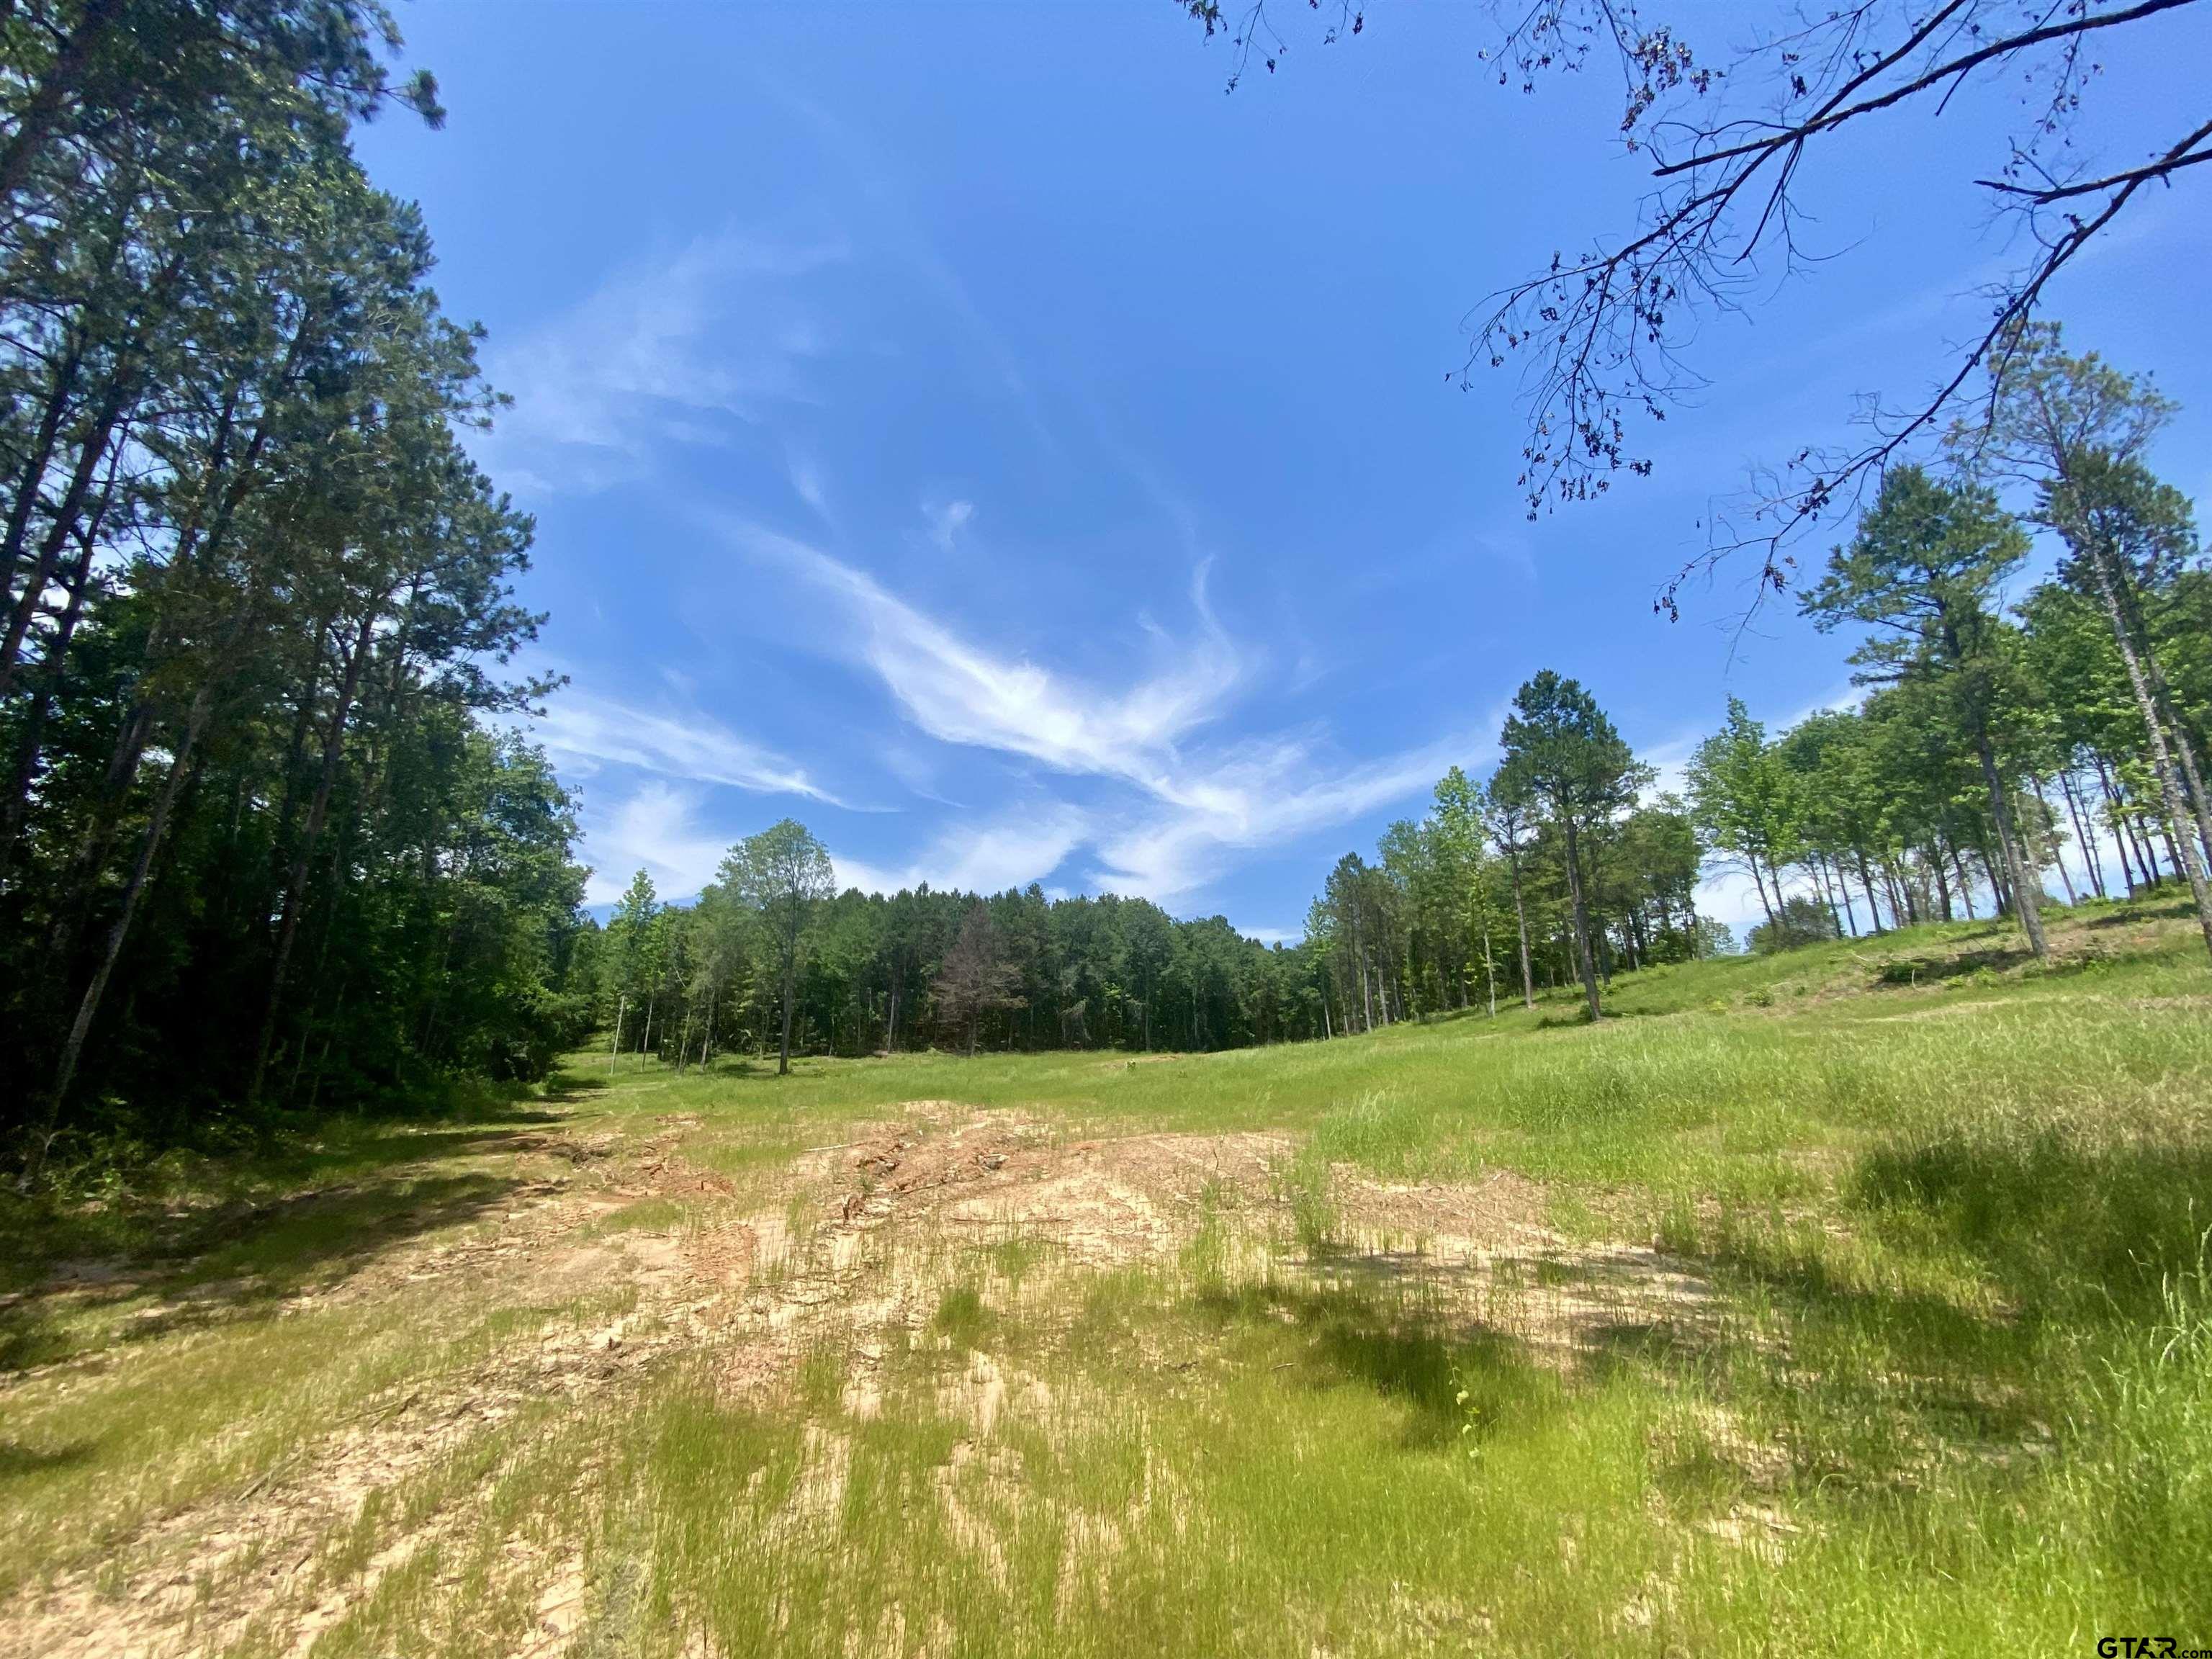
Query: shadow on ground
{"points": [[1453, 1377], [247, 1235]]}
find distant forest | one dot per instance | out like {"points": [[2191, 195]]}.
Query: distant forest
{"points": [[272, 848]]}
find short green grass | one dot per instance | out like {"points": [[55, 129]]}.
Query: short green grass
{"points": [[1955, 1395]]}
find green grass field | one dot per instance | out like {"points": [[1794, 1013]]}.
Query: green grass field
{"points": [[1850, 1301]]}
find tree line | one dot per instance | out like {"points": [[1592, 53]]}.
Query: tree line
{"points": [[1995, 736], [1992, 738], [269, 845], [266, 841], [1555, 865], [771, 959]]}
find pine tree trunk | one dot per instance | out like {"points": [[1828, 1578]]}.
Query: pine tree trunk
{"points": [[2026, 885], [29, 480], [2162, 697], [1866, 886], [30, 740], [90, 454], [1521, 918], [783, 1053], [1828, 894], [1582, 940], [2186, 753], [150, 843], [2092, 853], [2057, 857], [1368, 1007], [1843, 887], [1489, 961], [2162, 763], [2146, 851], [297, 883], [2121, 839], [34, 126]]}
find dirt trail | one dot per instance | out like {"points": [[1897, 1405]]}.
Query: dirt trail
{"points": [[198, 1577], [856, 1238]]}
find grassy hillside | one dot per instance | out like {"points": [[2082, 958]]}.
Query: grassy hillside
{"points": [[1850, 1300]]}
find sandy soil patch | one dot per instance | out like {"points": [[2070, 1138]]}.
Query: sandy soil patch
{"points": [[867, 1234]]}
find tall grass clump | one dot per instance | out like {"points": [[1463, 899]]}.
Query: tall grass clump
{"points": [[2145, 1479]]}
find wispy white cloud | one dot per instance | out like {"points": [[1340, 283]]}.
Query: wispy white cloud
{"points": [[959, 692], [806, 483], [1011, 851], [1258, 796], [1672, 760], [1189, 807], [585, 732], [946, 521], [656, 829], [598, 388]]}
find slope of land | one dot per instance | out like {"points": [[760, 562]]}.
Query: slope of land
{"points": [[1852, 1299]]}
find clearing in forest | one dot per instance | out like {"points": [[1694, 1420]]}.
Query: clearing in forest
{"points": [[1852, 1300]]}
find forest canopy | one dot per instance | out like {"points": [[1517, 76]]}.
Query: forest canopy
{"points": [[275, 840], [270, 840]]}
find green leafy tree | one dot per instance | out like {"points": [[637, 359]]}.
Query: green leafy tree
{"points": [[1462, 839], [783, 876], [626, 961], [1559, 749], [1922, 572], [1803, 920], [2131, 537], [1740, 796], [2073, 430], [1506, 816]]}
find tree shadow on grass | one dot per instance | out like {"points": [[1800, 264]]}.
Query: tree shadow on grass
{"points": [[17, 1460], [741, 1067], [2042, 1241], [566, 1088], [310, 1243], [2059, 1226], [2144, 907], [1454, 1379], [1907, 971], [356, 1192]]}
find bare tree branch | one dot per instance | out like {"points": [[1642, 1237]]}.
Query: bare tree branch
{"points": [[2164, 167], [1600, 336]]}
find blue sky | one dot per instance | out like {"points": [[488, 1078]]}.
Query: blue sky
{"points": [[964, 429]]}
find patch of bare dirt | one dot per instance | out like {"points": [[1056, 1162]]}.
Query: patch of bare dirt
{"points": [[1500, 1207], [869, 1234], [904, 1200], [1760, 1529], [200, 1577], [1563, 1302]]}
